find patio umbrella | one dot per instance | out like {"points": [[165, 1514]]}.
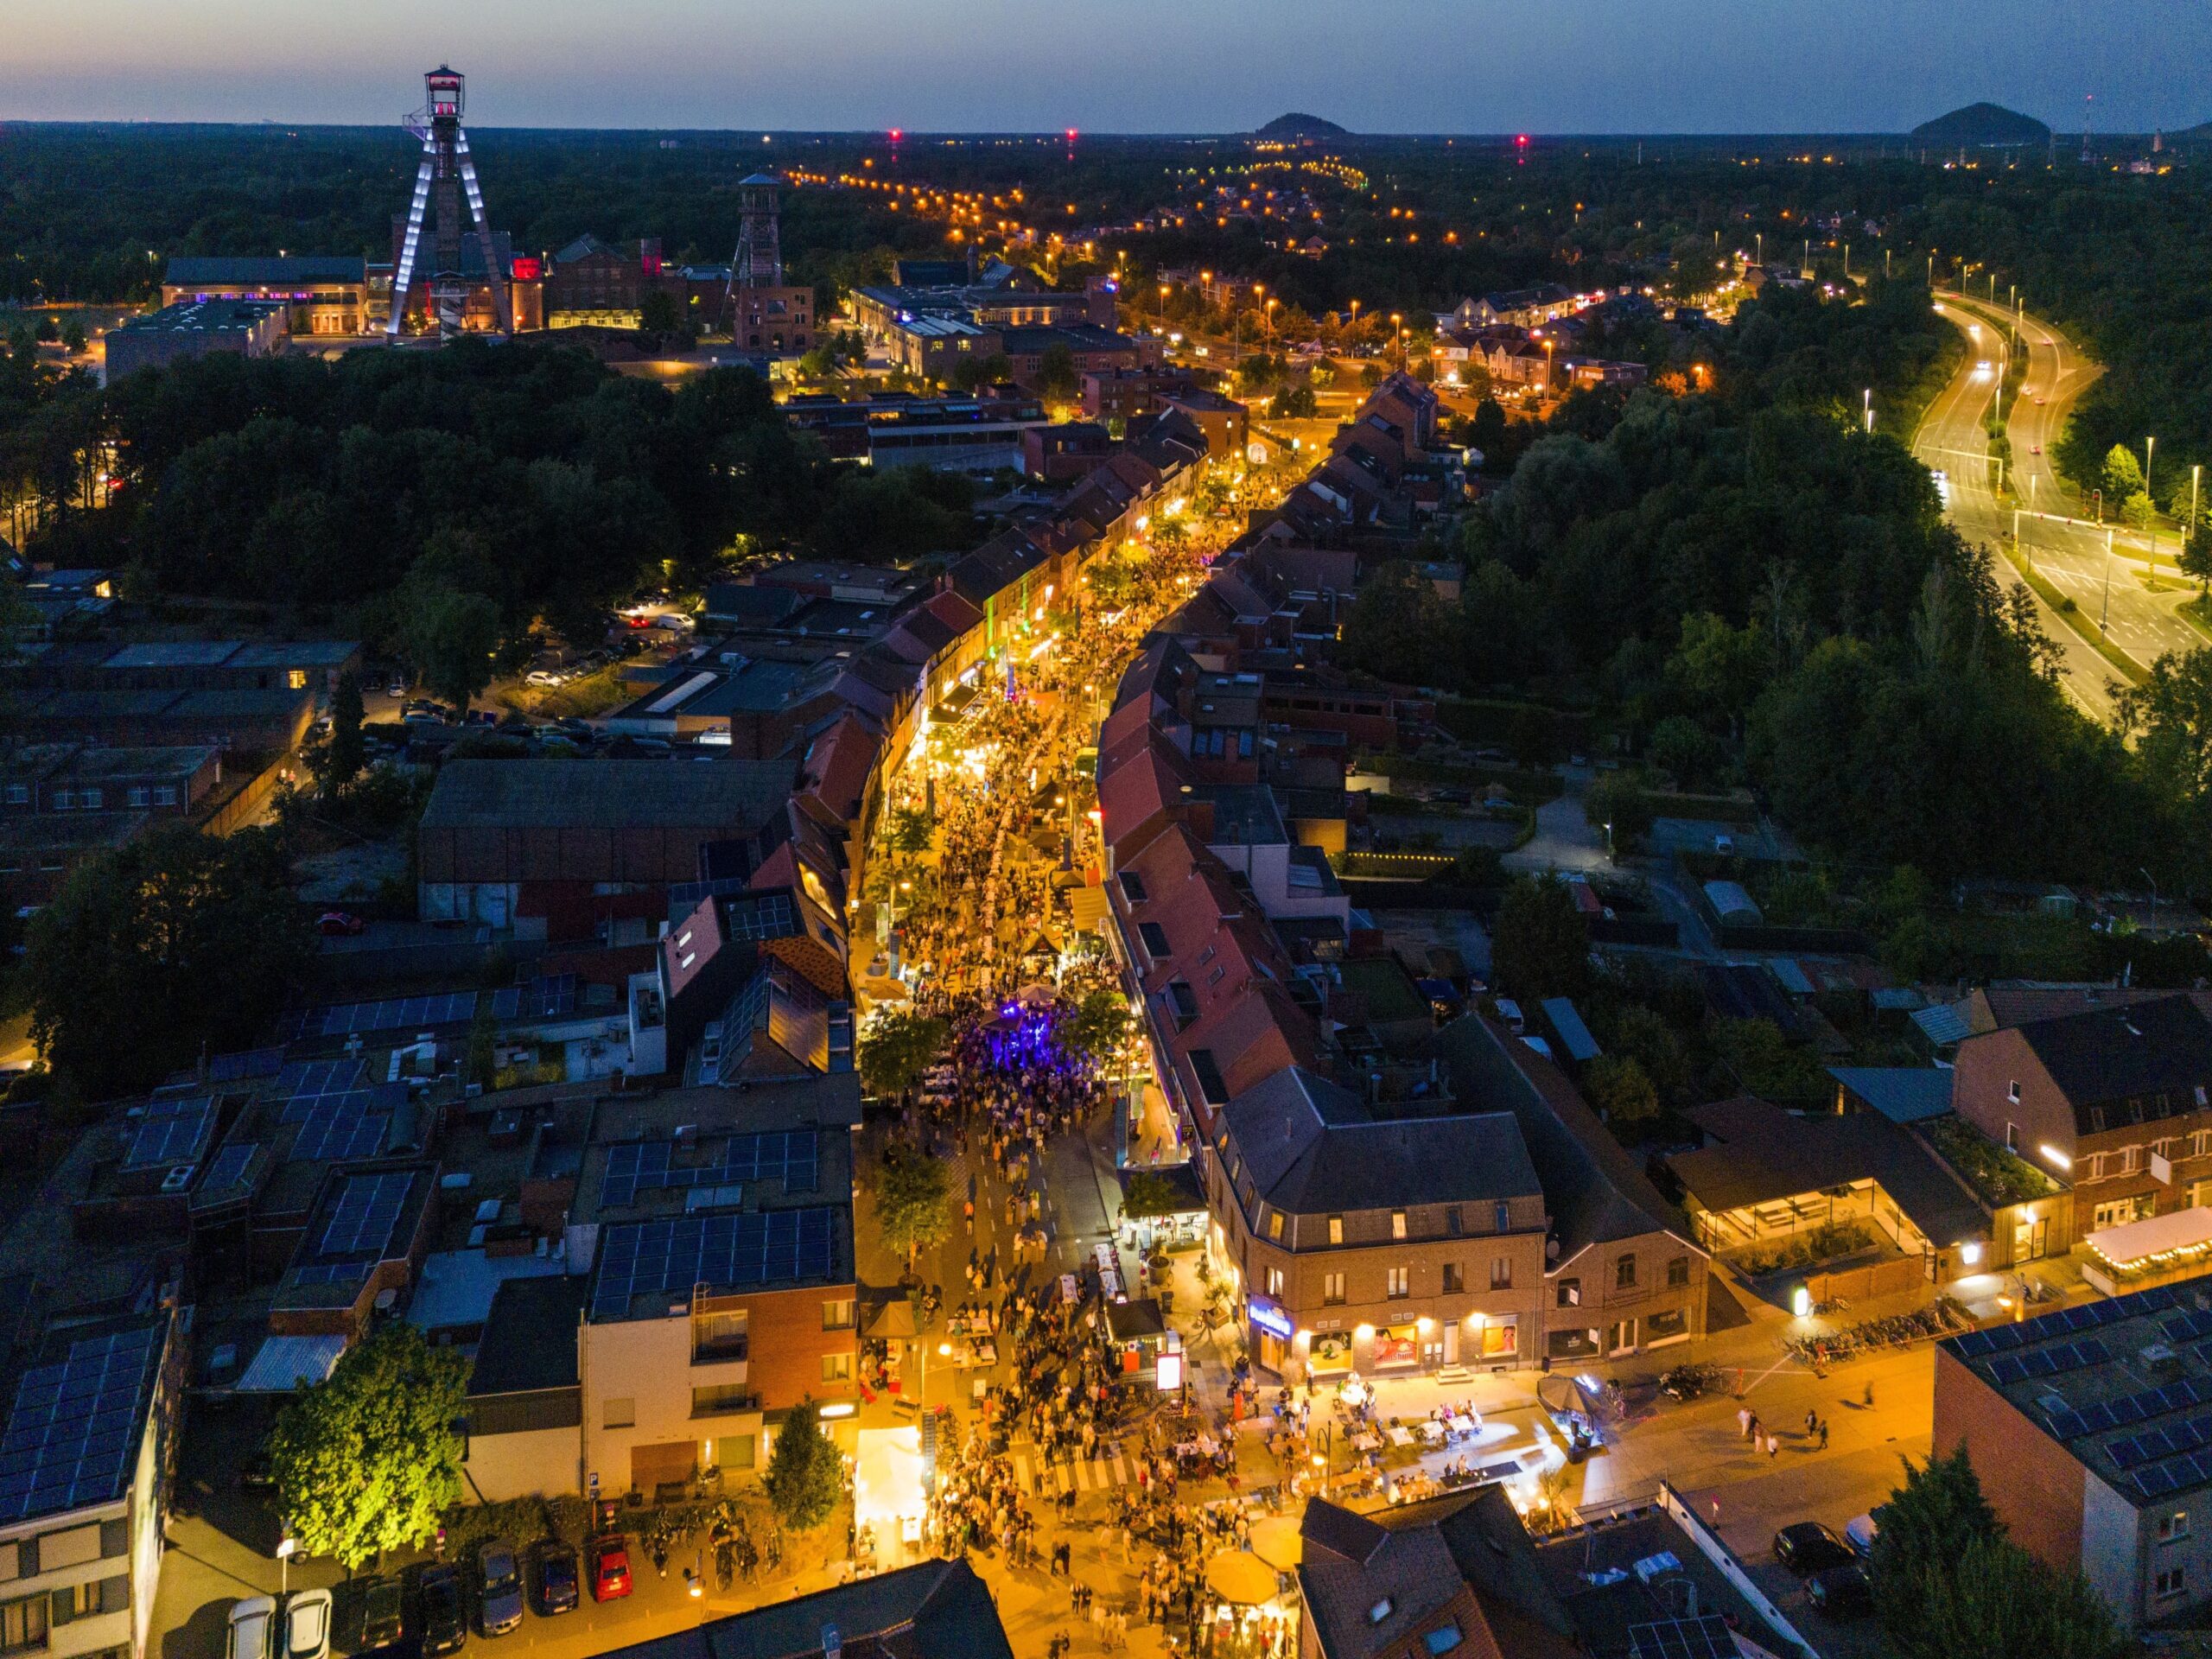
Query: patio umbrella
{"points": [[1276, 1541], [1238, 1576], [894, 1319]]}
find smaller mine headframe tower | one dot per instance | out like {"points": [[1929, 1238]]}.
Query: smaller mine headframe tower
{"points": [[759, 261], [446, 169]]}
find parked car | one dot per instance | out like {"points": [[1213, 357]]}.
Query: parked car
{"points": [[557, 1578], [253, 1629], [1725, 846], [307, 1626], [498, 1588], [397, 687], [383, 1614], [339, 925], [1858, 1532], [1841, 1591], [1808, 1547], [260, 1474], [445, 1612], [607, 1558]]}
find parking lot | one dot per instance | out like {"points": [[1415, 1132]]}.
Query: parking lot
{"points": [[221, 1547]]}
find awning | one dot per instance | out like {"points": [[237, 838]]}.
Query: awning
{"points": [[284, 1363], [2176, 1232]]}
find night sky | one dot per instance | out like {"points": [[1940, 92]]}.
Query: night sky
{"points": [[1125, 65]]}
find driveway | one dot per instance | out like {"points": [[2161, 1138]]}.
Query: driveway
{"points": [[1564, 839]]}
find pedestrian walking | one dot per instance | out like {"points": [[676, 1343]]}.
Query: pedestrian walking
{"points": [[1744, 1422], [1824, 1436]]}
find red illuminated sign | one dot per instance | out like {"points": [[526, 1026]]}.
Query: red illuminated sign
{"points": [[528, 269]]}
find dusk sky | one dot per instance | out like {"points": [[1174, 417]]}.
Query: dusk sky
{"points": [[1381, 66]]}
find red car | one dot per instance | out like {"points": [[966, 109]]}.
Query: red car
{"points": [[607, 1560], [339, 925]]}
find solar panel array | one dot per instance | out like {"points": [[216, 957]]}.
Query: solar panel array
{"points": [[2069, 1424], [394, 1013], [1683, 1638], [2188, 1468], [340, 1128], [791, 1155], [72, 1438], [172, 1132], [366, 1216], [2058, 1359], [536, 998], [253, 1063], [228, 1168], [2089, 1315], [310, 1079], [727, 1251], [2187, 1326], [760, 916]]}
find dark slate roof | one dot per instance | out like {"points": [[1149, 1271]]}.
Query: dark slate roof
{"points": [[1312, 1148], [1903, 1094], [293, 268], [1593, 1189], [2138, 1052], [938, 1610], [1412, 1561], [605, 794], [1766, 1154], [530, 1336]]}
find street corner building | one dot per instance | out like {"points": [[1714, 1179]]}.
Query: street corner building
{"points": [[937, 1610]]}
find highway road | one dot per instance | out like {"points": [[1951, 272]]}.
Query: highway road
{"points": [[2107, 572]]}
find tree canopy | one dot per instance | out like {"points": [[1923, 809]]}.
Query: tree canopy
{"points": [[191, 941], [369, 1459], [805, 1475]]}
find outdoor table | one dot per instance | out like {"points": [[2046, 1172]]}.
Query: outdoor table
{"points": [[1432, 1431], [1465, 1423], [1400, 1436], [1366, 1441]]}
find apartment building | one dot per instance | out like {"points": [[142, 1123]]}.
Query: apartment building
{"points": [[84, 1469], [2115, 1099], [2091, 1431], [719, 1227]]}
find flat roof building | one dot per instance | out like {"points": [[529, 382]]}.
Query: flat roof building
{"points": [[196, 328]]}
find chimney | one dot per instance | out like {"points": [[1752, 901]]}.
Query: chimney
{"points": [[971, 283]]}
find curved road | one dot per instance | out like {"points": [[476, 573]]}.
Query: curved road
{"points": [[2101, 569]]}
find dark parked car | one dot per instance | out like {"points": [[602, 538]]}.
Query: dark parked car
{"points": [[498, 1588], [339, 925], [383, 1614], [557, 1579], [445, 1610], [1841, 1591], [1808, 1547]]}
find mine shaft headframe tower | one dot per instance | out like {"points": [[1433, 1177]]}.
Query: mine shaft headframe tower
{"points": [[447, 170], [759, 261]]}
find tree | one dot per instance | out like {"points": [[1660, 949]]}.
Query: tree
{"points": [[912, 1201], [1997, 1601], [48, 331], [805, 1475], [483, 1069], [1685, 751], [2171, 715], [368, 1459], [971, 373], [2195, 558], [897, 1048], [450, 637], [194, 942], [1056, 376], [1618, 803], [660, 315], [1540, 946], [2123, 475], [909, 830], [72, 337], [1292, 404], [1618, 1087], [346, 753], [1718, 667], [1763, 1062], [1098, 1026]]}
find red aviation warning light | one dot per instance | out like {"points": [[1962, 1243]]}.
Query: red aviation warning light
{"points": [[896, 135], [1521, 149], [1070, 134]]}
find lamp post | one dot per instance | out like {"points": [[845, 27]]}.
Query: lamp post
{"points": [[286, 1546], [1870, 409], [1163, 308], [2104, 614], [2150, 445]]}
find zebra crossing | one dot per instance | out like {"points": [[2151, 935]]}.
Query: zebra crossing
{"points": [[1069, 1474]]}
